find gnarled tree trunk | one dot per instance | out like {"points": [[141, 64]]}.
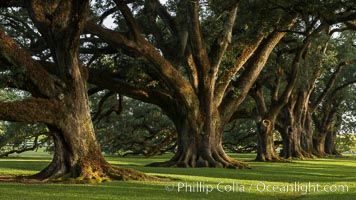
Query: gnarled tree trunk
{"points": [[199, 148], [265, 142], [292, 142], [60, 99], [77, 157], [291, 128], [202, 104]]}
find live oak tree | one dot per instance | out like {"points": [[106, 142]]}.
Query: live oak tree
{"points": [[303, 132], [204, 58], [59, 100], [280, 78], [282, 91], [201, 71], [196, 60], [329, 116]]}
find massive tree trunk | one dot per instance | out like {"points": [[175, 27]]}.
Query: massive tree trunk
{"points": [[77, 155], [265, 126], [202, 104], [319, 137], [290, 132], [292, 142], [60, 99], [319, 145], [77, 149], [265, 143], [286, 133], [291, 126], [199, 147], [334, 125]]}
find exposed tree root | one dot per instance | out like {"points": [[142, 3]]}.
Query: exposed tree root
{"points": [[216, 160], [82, 174], [271, 159]]}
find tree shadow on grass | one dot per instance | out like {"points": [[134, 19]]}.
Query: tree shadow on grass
{"points": [[274, 172]]}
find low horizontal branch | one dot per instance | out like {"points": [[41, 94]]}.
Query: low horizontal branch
{"points": [[30, 110]]}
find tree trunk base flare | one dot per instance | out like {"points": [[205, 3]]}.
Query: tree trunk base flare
{"points": [[266, 151], [214, 160], [68, 167], [273, 158], [86, 174], [90, 177], [303, 155], [320, 154]]}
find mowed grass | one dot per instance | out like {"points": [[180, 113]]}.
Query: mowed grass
{"points": [[334, 177]]}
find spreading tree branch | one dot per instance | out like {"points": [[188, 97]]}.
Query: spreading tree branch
{"points": [[249, 76], [330, 85], [18, 57], [222, 41], [341, 87], [129, 18], [161, 67], [101, 105], [199, 52], [227, 75], [107, 80], [30, 110]]}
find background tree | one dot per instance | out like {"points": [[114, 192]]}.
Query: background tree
{"points": [[140, 129], [315, 86]]}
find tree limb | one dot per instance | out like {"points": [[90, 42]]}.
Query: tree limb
{"points": [[111, 37], [343, 86], [18, 57], [162, 68], [222, 41], [249, 76], [330, 84], [30, 110], [227, 75], [101, 104], [199, 51], [106, 80], [130, 20]]}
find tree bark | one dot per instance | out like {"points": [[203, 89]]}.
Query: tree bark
{"points": [[61, 98], [79, 160], [307, 135], [199, 148], [291, 126], [265, 142], [78, 154], [330, 143], [319, 145], [286, 133]]}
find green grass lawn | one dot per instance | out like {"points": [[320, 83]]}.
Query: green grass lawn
{"points": [[334, 178]]}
